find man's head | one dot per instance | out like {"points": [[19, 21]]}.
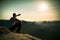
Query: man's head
{"points": [[14, 15]]}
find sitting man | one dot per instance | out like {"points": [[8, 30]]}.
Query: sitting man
{"points": [[15, 23]]}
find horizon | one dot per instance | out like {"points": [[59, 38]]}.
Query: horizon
{"points": [[31, 21]]}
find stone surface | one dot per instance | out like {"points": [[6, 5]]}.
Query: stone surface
{"points": [[5, 34]]}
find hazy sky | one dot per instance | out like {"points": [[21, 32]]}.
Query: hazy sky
{"points": [[31, 10]]}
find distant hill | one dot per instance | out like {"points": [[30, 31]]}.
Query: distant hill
{"points": [[4, 23], [46, 30]]}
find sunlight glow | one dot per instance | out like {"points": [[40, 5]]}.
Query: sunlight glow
{"points": [[45, 11], [36, 11], [43, 6]]}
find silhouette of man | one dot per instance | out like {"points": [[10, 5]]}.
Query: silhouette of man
{"points": [[15, 23]]}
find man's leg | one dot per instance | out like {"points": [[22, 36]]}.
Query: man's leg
{"points": [[13, 27], [19, 27]]}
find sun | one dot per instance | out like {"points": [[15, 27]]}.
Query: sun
{"points": [[45, 12], [43, 7]]}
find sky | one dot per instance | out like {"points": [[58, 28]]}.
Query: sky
{"points": [[31, 10]]}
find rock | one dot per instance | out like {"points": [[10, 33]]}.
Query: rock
{"points": [[4, 30], [5, 34], [18, 36]]}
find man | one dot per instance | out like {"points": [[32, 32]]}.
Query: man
{"points": [[15, 23]]}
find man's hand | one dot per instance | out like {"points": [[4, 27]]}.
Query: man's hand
{"points": [[18, 14]]}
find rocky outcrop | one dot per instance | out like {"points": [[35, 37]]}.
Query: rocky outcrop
{"points": [[5, 34]]}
